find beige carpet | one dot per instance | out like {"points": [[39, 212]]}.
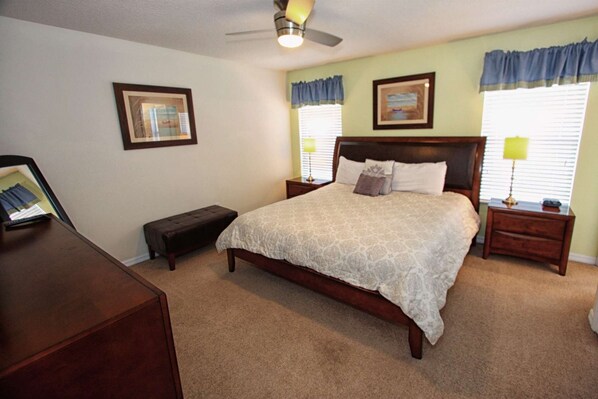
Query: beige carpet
{"points": [[513, 329]]}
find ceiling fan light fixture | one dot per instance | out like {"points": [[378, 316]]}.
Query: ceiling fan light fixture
{"points": [[290, 40], [289, 33]]}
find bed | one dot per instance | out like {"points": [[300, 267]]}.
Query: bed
{"points": [[374, 253]]}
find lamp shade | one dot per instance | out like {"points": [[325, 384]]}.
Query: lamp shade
{"points": [[309, 145], [515, 148]]}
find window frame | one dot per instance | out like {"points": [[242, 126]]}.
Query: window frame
{"points": [[553, 118], [313, 123]]}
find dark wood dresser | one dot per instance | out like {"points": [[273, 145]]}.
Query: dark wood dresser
{"points": [[531, 231], [299, 185], [76, 323]]}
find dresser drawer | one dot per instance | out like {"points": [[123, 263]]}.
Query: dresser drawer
{"points": [[517, 244], [294, 190], [540, 227]]}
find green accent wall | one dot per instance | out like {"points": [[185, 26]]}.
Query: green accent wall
{"points": [[458, 104]]}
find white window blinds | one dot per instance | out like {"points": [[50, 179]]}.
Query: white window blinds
{"points": [[324, 123], [552, 118]]}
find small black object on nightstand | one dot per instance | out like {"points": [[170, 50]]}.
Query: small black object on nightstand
{"points": [[551, 202]]}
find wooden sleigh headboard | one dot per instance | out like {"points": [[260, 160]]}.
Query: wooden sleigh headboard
{"points": [[463, 156]]}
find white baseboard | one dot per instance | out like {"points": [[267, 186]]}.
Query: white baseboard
{"points": [[583, 259], [135, 260], [591, 260]]}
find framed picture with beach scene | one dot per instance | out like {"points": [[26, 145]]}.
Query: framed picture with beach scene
{"points": [[405, 102], [154, 116]]}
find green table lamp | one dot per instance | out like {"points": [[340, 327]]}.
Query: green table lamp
{"points": [[309, 146], [515, 149]]}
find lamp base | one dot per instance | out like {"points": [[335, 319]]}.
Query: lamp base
{"points": [[510, 201], [309, 179]]}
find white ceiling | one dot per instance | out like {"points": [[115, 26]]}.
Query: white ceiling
{"points": [[367, 27]]}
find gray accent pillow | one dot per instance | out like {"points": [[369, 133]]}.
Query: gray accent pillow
{"points": [[369, 185], [381, 168]]}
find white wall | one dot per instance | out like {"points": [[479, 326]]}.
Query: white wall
{"points": [[57, 106]]}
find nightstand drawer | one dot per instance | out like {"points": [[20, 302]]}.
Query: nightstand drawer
{"points": [[294, 190], [511, 243], [541, 227]]}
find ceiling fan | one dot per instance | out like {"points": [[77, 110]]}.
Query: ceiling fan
{"points": [[290, 25]]}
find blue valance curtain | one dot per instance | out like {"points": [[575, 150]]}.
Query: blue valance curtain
{"points": [[318, 92], [544, 67], [17, 197]]}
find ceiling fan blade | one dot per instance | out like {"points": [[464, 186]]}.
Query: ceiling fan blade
{"points": [[322, 37], [248, 32], [298, 10]]}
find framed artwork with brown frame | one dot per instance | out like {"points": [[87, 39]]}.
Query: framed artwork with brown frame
{"points": [[405, 102], [154, 116]]}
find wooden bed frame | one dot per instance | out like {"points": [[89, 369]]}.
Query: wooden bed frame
{"points": [[463, 156]]}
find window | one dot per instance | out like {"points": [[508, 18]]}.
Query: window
{"points": [[322, 122], [552, 118]]}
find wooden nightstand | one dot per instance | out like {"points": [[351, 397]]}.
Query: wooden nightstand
{"points": [[299, 185], [531, 231]]}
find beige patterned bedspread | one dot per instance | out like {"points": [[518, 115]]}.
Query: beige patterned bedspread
{"points": [[407, 246]]}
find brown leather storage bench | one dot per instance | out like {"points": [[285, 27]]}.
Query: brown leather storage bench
{"points": [[175, 235]]}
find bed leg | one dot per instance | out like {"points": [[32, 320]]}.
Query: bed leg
{"points": [[415, 340], [230, 253]]}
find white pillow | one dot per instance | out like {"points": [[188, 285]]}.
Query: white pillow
{"points": [[426, 178], [382, 168], [348, 171]]}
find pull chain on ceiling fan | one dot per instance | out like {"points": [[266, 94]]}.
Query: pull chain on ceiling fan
{"points": [[290, 25]]}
